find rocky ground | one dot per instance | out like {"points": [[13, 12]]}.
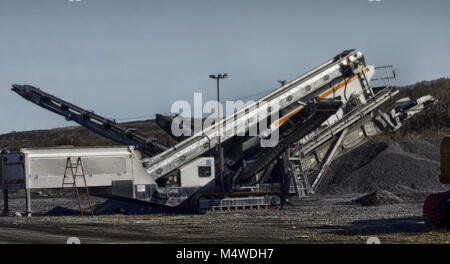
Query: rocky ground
{"points": [[317, 219]]}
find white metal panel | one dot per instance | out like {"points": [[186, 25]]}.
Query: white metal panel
{"points": [[189, 173], [84, 152], [45, 168]]}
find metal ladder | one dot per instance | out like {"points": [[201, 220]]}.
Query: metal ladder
{"points": [[301, 183], [74, 169], [299, 179]]}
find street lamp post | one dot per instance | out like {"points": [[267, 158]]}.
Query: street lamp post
{"points": [[217, 78]]}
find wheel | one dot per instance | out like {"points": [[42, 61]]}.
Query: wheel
{"points": [[436, 213], [275, 200]]}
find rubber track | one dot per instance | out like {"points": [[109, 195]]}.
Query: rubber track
{"points": [[196, 197]]}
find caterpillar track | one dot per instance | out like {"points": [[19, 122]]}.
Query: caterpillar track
{"points": [[210, 202]]}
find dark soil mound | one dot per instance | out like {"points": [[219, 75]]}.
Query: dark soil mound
{"points": [[377, 198]]}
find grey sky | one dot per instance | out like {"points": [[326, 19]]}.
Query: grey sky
{"points": [[128, 59]]}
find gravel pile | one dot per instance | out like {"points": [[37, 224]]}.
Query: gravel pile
{"points": [[399, 167], [378, 198]]}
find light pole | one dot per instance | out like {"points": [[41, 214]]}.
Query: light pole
{"points": [[217, 78], [282, 82]]}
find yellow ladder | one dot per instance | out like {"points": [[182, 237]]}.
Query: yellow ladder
{"points": [[75, 168]]}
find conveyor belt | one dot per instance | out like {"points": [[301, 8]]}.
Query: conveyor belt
{"points": [[98, 124], [311, 118]]}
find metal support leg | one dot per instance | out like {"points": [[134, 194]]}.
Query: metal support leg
{"points": [[287, 175], [28, 202], [5, 202], [327, 161], [286, 163], [220, 170]]}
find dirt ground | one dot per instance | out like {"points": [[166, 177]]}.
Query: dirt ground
{"points": [[318, 219]]}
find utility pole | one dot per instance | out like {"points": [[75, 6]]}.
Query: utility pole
{"points": [[217, 78]]}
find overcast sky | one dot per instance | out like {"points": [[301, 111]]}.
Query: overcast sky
{"points": [[130, 59]]}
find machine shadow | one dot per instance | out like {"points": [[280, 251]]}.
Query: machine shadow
{"points": [[411, 225], [120, 207]]}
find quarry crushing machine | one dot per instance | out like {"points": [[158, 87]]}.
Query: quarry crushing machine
{"points": [[321, 115]]}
